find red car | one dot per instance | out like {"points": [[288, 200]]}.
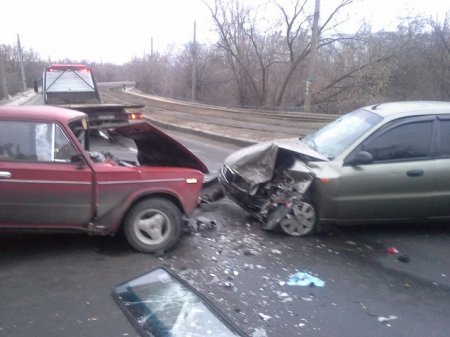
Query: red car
{"points": [[50, 180]]}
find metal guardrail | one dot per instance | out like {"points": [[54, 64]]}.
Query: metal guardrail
{"points": [[199, 108]]}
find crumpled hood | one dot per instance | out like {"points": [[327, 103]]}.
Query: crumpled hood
{"points": [[296, 145], [156, 148], [256, 163]]}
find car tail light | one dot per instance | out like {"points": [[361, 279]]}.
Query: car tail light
{"points": [[135, 116]]}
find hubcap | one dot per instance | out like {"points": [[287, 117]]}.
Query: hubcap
{"points": [[152, 227], [301, 222]]}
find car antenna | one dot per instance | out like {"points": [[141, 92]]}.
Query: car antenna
{"points": [[376, 106]]}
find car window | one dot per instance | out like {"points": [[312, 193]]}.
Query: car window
{"points": [[63, 149], [31, 141], [406, 141], [445, 138]]}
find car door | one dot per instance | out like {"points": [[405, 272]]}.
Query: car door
{"points": [[39, 185], [399, 183], [441, 198]]}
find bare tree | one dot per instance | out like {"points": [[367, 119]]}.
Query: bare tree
{"points": [[249, 51], [297, 23]]}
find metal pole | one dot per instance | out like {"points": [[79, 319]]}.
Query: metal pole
{"points": [[312, 57], [151, 47], [3, 75], [194, 64], [19, 47]]}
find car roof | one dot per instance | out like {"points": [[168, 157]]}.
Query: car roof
{"points": [[44, 113], [400, 109]]}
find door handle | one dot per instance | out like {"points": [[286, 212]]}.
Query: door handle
{"points": [[414, 173], [5, 175]]}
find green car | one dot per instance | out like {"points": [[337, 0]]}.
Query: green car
{"points": [[381, 163]]}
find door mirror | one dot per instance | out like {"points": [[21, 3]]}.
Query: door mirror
{"points": [[361, 158], [78, 160]]}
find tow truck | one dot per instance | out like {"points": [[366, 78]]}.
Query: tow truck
{"points": [[73, 86]]}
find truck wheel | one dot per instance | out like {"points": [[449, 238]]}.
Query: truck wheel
{"points": [[153, 225], [302, 220]]}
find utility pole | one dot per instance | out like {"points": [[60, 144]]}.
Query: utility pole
{"points": [[19, 47], [3, 74], [312, 57], [151, 47], [194, 64]]}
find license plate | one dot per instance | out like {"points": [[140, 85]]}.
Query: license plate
{"points": [[106, 117]]}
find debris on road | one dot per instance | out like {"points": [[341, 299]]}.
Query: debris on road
{"points": [[228, 285], [392, 250], [259, 333], [201, 223], [403, 258], [264, 317], [307, 299], [305, 279], [383, 319], [303, 322]]}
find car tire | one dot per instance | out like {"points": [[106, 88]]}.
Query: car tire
{"points": [[153, 225], [302, 220]]}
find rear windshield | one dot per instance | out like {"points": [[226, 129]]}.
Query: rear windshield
{"points": [[67, 80]]}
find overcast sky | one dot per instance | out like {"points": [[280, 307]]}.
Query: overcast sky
{"points": [[116, 31]]}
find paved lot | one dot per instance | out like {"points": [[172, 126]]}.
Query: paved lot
{"points": [[54, 285]]}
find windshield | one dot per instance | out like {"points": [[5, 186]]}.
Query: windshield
{"points": [[337, 136]]}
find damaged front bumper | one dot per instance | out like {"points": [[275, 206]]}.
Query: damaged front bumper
{"points": [[271, 181]]}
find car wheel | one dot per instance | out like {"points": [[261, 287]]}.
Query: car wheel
{"points": [[301, 221], [153, 225]]}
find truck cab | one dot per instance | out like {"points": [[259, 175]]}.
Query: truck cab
{"points": [[69, 84]]}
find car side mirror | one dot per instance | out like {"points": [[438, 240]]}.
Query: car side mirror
{"points": [[78, 160], [361, 158]]}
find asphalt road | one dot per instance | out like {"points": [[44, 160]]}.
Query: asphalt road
{"points": [[60, 285]]}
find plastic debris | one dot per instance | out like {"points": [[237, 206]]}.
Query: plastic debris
{"points": [[201, 223], [392, 250], [249, 252], [303, 322], [382, 319], [307, 299], [259, 333], [304, 279], [228, 285], [403, 258], [264, 317]]}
